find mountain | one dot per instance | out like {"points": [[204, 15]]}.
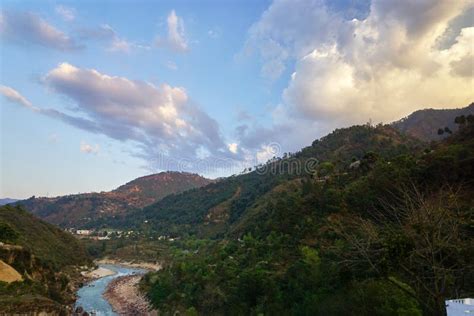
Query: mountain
{"points": [[424, 124], [89, 209], [43, 259], [7, 201], [211, 210], [362, 232]]}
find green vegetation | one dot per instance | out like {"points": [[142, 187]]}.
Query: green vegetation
{"points": [[90, 210], [47, 258], [392, 236], [191, 212], [430, 124], [7, 233], [364, 221], [47, 242]]}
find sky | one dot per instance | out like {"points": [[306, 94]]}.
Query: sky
{"points": [[96, 93]]}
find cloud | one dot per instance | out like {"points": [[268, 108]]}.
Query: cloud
{"points": [[463, 66], [67, 14], [107, 34], [89, 149], [290, 29], [176, 39], [14, 96], [27, 28], [383, 65], [164, 125], [463, 20], [160, 119], [233, 147], [267, 152]]}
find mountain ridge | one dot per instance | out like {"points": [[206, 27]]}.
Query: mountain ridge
{"points": [[424, 124], [79, 210]]}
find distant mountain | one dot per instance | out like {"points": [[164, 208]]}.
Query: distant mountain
{"points": [[43, 257], [424, 124], [7, 201], [89, 209]]}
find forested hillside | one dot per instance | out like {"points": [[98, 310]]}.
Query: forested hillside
{"points": [[212, 210], [426, 124], [85, 210], [46, 258], [382, 226]]}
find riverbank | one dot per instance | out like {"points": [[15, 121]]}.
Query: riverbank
{"points": [[125, 298], [98, 273], [135, 264]]}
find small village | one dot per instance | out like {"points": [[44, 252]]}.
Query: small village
{"points": [[110, 234]]}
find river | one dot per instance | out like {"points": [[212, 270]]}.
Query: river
{"points": [[90, 298]]}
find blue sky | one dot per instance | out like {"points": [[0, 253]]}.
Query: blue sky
{"points": [[96, 93]]}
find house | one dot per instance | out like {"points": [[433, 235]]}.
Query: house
{"points": [[83, 232], [460, 307]]}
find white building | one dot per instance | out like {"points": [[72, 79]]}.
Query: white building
{"points": [[84, 232], [460, 307]]}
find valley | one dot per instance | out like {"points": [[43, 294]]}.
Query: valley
{"points": [[358, 226], [241, 158]]}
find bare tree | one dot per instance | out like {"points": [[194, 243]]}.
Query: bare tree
{"points": [[423, 240]]}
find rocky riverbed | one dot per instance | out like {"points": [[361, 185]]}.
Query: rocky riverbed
{"points": [[123, 295]]}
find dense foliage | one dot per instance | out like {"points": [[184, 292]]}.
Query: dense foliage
{"points": [[90, 210], [47, 242], [212, 210], [46, 257], [391, 236]]}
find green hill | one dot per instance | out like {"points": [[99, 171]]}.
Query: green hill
{"points": [[382, 226], [211, 210], [47, 258], [88, 210]]}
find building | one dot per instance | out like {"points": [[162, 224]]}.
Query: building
{"points": [[460, 307], [83, 232]]}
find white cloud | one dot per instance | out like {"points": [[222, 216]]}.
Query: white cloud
{"points": [[119, 45], [233, 147], [268, 151], [176, 39], [160, 119], [68, 14], [382, 67], [28, 28], [167, 129], [89, 149], [14, 96]]}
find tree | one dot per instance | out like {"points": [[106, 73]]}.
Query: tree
{"points": [[423, 240], [470, 119], [461, 120], [440, 131], [7, 233], [326, 168], [447, 130]]}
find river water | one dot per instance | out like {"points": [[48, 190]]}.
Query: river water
{"points": [[90, 298]]}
